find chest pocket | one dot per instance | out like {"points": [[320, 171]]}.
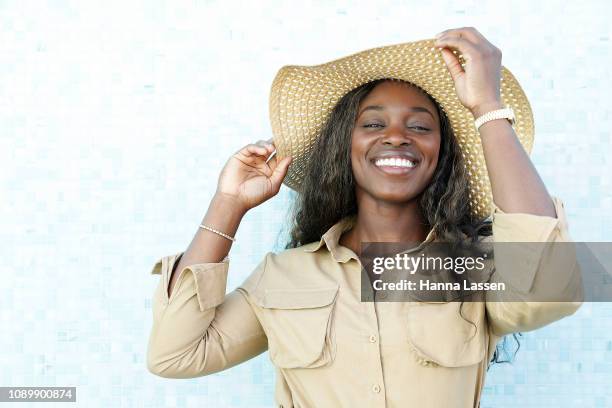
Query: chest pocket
{"points": [[299, 325], [438, 335]]}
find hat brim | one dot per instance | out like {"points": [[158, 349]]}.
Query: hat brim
{"points": [[302, 98]]}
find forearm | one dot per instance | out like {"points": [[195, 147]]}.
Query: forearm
{"points": [[516, 184], [206, 246], [538, 263], [202, 329]]}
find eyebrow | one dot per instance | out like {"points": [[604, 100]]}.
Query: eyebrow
{"points": [[411, 109]]}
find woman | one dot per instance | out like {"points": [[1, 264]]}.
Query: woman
{"points": [[386, 167]]}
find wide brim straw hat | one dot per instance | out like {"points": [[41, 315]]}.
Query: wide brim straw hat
{"points": [[302, 98]]}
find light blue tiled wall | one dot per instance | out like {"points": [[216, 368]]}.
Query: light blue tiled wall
{"points": [[116, 118]]}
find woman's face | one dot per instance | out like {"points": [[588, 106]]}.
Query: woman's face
{"points": [[395, 143]]}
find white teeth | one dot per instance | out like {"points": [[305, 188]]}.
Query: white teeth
{"points": [[394, 161]]}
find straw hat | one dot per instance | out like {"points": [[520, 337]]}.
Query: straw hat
{"points": [[302, 97]]}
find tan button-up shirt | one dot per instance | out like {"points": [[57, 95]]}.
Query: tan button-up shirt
{"points": [[329, 348]]}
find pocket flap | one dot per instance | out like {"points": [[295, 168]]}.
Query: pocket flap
{"points": [[298, 323], [297, 298], [442, 335]]}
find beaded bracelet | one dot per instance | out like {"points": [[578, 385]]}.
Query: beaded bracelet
{"points": [[218, 232]]}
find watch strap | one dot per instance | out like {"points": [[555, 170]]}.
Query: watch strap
{"points": [[505, 113]]}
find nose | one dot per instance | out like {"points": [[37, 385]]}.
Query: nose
{"points": [[396, 135]]}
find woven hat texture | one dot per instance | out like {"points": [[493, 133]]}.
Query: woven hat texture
{"points": [[302, 97]]}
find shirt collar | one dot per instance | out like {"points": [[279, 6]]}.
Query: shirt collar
{"points": [[332, 236]]}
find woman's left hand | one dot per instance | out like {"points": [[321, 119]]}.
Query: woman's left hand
{"points": [[478, 83]]}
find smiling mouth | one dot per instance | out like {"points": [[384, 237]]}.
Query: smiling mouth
{"points": [[395, 165]]}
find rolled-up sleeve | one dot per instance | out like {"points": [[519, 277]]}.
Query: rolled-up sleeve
{"points": [[200, 329], [536, 261]]}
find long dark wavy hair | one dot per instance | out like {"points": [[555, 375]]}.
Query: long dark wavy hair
{"points": [[328, 187]]}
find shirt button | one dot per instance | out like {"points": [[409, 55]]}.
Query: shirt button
{"points": [[376, 388], [372, 339]]}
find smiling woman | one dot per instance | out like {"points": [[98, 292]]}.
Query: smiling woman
{"points": [[370, 129], [395, 157], [412, 135]]}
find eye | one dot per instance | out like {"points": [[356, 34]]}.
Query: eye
{"points": [[419, 128], [379, 125]]}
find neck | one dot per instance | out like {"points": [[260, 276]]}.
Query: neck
{"points": [[379, 221]]}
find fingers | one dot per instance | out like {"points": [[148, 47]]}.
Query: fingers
{"points": [[467, 40], [463, 45], [267, 145], [471, 45], [279, 172], [469, 33], [452, 63], [256, 150], [455, 39], [264, 142], [255, 156], [474, 35], [260, 148], [261, 154], [264, 149], [272, 159]]}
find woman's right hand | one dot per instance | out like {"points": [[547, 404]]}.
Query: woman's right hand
{"points": [[248, 179]]}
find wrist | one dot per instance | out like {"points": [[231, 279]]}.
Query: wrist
{"points": [[224, 214], [228, 203], [483, 108]]}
